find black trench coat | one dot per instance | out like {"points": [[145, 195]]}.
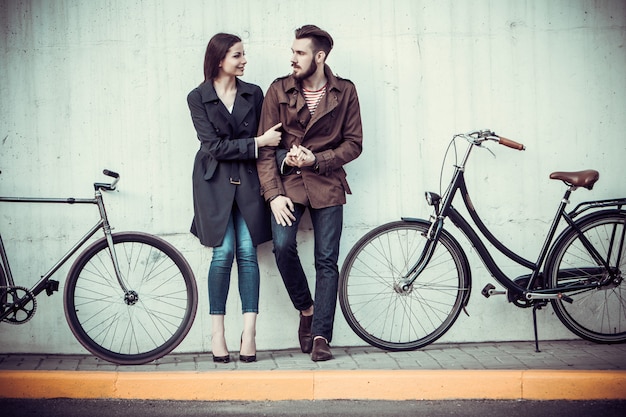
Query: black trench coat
{"points": [[224, 171]]}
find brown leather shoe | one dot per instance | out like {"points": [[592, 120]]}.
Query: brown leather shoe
{"points": [[321, 350], [304, 333]]}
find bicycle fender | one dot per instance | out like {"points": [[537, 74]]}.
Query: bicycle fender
{"points": [[577, 222], [468, 279]]}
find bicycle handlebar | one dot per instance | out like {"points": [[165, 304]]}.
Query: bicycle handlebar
{"points": [[511, 143], [479, 136], [111, 186]]}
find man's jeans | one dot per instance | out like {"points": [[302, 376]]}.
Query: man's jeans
{"points": [[237, 241], [327, 225]]}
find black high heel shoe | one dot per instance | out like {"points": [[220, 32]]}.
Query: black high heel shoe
{"points": [[246, 358], [221, 359]]}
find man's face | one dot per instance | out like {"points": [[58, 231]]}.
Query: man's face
{"points": [[303, 59]]}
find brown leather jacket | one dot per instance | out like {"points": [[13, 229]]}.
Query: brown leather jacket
{"points": [[334, 134]]}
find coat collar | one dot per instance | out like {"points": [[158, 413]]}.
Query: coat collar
{"points": [[244, 102], [209, 94]]}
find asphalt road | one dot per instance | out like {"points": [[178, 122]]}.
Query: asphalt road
{"points": [[481, 408]]}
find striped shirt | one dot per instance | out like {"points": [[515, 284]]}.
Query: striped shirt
{"points": [[313, 98]]}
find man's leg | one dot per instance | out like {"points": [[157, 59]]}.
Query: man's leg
{"points": [[327, 226], [292, 273]]}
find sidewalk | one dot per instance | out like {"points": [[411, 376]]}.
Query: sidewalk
{"points": [[571, 370]]}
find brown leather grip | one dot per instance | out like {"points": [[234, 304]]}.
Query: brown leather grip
{"points": [[511, 143]]}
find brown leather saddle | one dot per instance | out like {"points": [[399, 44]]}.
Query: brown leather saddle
{"points": [[586, 178]]}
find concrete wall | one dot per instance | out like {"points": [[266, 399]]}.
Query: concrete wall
{"points": [[87, 85]]}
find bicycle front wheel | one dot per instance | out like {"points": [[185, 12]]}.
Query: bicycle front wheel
{"points": [[144, 323], [373, 301], [597, 314]]}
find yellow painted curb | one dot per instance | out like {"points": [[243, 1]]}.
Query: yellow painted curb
{"points": [[418, 385], [217, 386], [57, 384], [317, 385], [574, 385]]}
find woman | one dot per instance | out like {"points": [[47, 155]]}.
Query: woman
{"points": [[229, 212]]}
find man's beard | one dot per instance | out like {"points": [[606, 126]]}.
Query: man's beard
{"points": [[307, 73]]}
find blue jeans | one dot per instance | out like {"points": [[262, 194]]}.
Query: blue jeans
{"points": [[327, 226], [237, 241]]}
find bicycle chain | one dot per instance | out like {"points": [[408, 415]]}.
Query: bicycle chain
{"points": [[12, 318]]}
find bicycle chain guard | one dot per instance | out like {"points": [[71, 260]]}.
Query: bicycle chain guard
{"points": [[11, 300]]}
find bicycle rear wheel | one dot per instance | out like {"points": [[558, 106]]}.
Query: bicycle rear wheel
{"points": [[598, 314], [3, 289], [375, 306], [144, 324]]}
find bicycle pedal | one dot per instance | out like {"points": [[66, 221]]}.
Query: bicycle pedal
{"points": [[51, 287], [490, 290]]}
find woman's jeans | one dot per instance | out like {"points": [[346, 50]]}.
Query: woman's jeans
{"points": [[327, 225], [237, 241]]}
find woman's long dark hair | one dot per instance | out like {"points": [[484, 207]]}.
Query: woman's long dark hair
{"points": [[215, 52]]}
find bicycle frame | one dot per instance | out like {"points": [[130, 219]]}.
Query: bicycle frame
{"points": [[529, 291], [45, 283]]}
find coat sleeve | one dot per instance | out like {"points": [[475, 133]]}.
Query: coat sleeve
{"points": [[269, 176], [220, 147]]}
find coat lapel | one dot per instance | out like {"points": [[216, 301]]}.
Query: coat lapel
{"points": [[330, 100], [217, 110], [243, 104]]}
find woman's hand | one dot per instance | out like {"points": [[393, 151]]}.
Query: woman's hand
{"points": [[271, 137]]}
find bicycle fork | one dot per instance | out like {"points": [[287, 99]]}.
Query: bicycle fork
{"points": [[130, 296], [432, 237]]}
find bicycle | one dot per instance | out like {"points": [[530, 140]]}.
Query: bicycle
{"points": [[129, 297], [404, 283]]}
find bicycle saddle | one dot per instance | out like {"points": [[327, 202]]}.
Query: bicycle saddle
{"points": [[586, 178]]}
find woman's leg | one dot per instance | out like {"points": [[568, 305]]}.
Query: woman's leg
{"points": [[219, 282], [249, 282], [218, 340], [248, 341]]}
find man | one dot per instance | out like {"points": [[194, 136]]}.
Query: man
{"points": [[322, 132]]}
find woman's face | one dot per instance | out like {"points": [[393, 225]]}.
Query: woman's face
{"points": [[234, 62]]}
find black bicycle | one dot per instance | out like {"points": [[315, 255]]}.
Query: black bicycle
{"points": [[129, 297], [403, 284]]}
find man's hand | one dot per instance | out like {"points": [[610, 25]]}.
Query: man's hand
{"points": [[299, 156], [282, 208]]}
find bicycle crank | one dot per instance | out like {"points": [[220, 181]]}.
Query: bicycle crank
{"points": [[19, 302]]}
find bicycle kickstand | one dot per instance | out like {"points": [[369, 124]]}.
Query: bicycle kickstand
{"points": [[537, 306]]}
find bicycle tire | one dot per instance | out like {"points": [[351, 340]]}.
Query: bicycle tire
{"points": [[131, 334], [597, 315], [3, 289], [395, 320]]}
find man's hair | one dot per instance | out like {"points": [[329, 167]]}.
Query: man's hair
{"points": [[322, 41]]}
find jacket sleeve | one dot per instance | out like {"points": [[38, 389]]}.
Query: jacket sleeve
{"points": [[352, 132], [267, 167], [218, 146]]}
